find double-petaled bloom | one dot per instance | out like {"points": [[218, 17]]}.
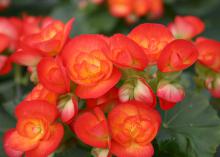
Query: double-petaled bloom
{"points": [[132, 127], [152, 38], [87, 65], [36, 133], [47, 39], [186, 27]]}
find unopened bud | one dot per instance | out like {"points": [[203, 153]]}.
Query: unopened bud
{"points": [[68, 107], [213, 85], [169, 94], [99, 152]]}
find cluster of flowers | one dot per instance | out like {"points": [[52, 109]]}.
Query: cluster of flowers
{"points": [[119, 78], [131, 10]]}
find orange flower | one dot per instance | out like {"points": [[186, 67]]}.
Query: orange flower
{"points": [[126, 53], [133, 125], [52, 75], [36, 134], [91, 127], [177, 55], [209, 53], [186, 27], [47, 40], [51, 38], [152, 38], [87, 65]]}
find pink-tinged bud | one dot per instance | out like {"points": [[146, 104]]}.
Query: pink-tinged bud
{"points": [[99, 152], [140, 91], [169, 94], [68, 107], [125, 92], [144, 93], [213, 85]]}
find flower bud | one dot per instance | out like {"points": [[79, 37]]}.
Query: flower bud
{"points": [[68, 107], [144, 93], [169, 94], [140, 91], [125, 92], [98, 152], [213, 85]]}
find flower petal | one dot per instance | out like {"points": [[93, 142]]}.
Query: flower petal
{"points": [[46, 147], [100, 88], [36, 108], [92, 128]]}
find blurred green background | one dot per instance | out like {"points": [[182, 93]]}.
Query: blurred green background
{"points": [[93, 19]]}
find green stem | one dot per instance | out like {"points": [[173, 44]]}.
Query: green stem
{"points": [[17, 80]]}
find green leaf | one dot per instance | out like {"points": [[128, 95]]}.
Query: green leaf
{"points": [[193, 124]]}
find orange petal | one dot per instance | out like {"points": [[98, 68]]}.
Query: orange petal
{"points": [[177, 55], [100, 88], [209, 53], [48, 146], [133, 150], [153, 38], [26, 56], [39, 92], [14, 141], [166, 105], [52, 75], [92, 128], [8, 150], [4, 42], [126, 53], [5, 65], [36, 108]]}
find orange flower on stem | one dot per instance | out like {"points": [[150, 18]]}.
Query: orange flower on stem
{"points": [[126, 53], [87, 66], [209, 53], [52, 75], [36, 134], [177, 55], [152, 38], [91, 127], [48, 41], [133, 125]]}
